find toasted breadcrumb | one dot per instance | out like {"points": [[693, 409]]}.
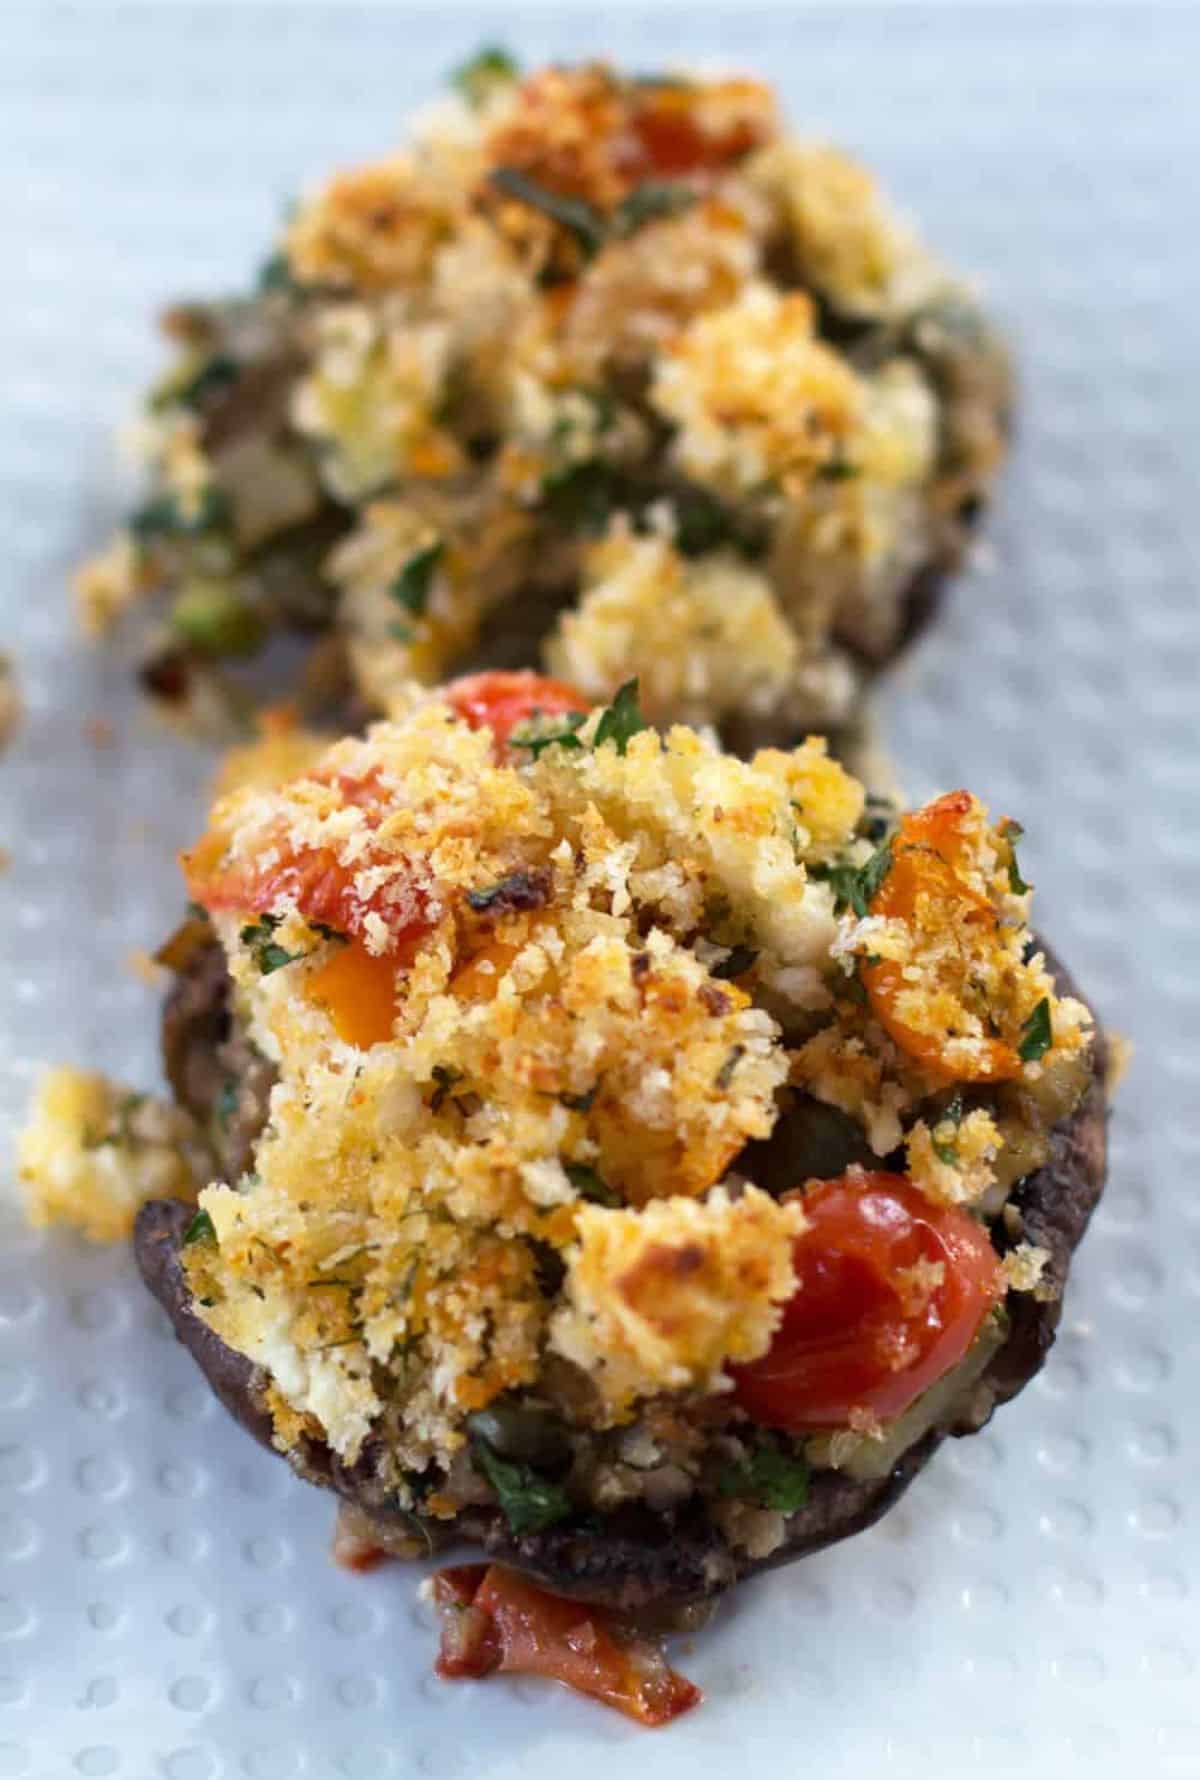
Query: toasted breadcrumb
{"points": [[1024, 1266], [579, 304], [93, 1151], [952, 1161], [668, 1295], [527, 1006]]}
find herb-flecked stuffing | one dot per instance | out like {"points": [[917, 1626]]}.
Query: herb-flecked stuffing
{"points": [[610, 368], [540, 1010]]}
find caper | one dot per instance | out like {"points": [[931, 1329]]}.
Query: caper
{"points": [[525, 1431]]}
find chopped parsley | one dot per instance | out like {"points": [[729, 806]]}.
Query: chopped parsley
{"points": [[590, 1186], [528, 1502], [538, 733], [580, 1103], [738, 962], [951, 1114], [275, 275], [411, 587], [227, 1103], [268, 956], [191, 389], [650, 202], [444, 1079], [214, 619], [703, 523], [581, 497], [579, 218], [770, 1475], [477, 78], [164, 518], [622, 719], [1037, 1035], [855, 886], [838, 469], [725, 1073], [1012, 832], [199, 1230]]}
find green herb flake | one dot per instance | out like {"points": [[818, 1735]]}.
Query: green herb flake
{"points": [[737, 964], [200, 1229], [268, 956], [215, 620], [537, 737], [528, 1502], [856, 886], [580, 219], [477, 78], [589, 1185], [770, 1475], [581, 497], [621, 720], [444, 1078], [275, 276], [951, 1114], [652, 201], [227, 1103], [411, 586], [838, 469], [1037, 1035], [163, 517], [1012, 832], [580, 1103], [725, 1073]]}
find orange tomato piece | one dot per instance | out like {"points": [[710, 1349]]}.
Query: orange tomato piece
{"points": [[924, 884], [479, 977], [358, 990]]}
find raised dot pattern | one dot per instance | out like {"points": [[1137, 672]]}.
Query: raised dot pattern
{"points": [[167, 1607]]}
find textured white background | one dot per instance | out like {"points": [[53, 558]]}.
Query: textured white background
{"points": [[167, 1610]]}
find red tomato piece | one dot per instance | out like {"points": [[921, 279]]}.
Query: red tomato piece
{"points": [[872, 1324], [314, 878], [499, 701], [321, 887], [495, 1620]]}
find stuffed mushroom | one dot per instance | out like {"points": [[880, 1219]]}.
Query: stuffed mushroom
{"points": [[612, 371], [633, 1160]]}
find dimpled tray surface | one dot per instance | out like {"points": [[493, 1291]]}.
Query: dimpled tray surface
{"points": [[168, 1610]]}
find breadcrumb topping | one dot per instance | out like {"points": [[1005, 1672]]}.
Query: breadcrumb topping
{"points": [[533, 998], [93, 1151], [578, 305]]}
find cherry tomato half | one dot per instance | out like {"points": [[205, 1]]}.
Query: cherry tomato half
{"points": [[499, 701], [872, 1323]]}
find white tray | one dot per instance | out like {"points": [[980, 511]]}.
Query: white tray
{"points": [[167, 1608]]}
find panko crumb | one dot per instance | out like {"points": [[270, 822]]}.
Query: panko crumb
{"points": [[1024, 1267], [93, 1151], [581, 304], [953, 1161], [668, 1295]]}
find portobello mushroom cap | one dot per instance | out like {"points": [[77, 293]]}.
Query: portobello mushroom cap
{"points": [[640, 1563]]}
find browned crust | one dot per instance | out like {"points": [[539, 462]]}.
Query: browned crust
{"points": [[639, 1562]]}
